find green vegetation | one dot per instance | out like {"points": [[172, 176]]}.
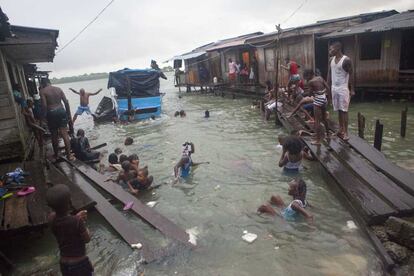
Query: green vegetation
{"points": [[84, 77]]}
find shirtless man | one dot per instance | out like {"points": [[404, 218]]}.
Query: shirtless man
{"points": [[340, 79], [84, 102], [57, 116], [319, 89]]}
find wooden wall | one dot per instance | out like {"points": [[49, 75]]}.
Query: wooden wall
{"points": [[14, 134]]}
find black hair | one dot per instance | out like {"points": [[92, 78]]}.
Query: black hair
{"points": [[113, 158], [118, 151], [128, 141], [177, 113], [182, 113], [293, 144], [308, 72], [123, 158], [336, 43], [44, 82], [126, 165], [58, 198], [80, 132], [207, 114], [133, 157], [301, 187]]}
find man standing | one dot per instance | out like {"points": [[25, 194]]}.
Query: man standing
{"points": [[292, 68], [57, 116], [232, 71], [340, 79], [84, 102]]}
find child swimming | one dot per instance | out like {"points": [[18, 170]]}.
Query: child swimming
{"points": [[291, 158], [297, 207]]}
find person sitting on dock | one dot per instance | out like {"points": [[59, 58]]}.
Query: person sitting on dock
{"points": [[84, 102], [57, 116], [297, 189], [291, 158], [318, 88], [82, 148], [70, 231]]}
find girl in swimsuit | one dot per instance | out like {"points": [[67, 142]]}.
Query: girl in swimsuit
{"points": [[291, 159], [297, 207]]}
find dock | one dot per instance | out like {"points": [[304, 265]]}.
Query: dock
{"points": [[373, 187]]}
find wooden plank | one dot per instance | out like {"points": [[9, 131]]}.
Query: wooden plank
{"points": [[80, 201], [131, 234], [15, 213], [6, 113], [164, 225], [404, 178], [36, 202], [386, 188], [372, 208], [5, 168]]}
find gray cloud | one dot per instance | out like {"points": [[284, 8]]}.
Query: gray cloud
{"points": [[130, 32]]}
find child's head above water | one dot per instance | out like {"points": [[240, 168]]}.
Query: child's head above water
{"points": [[113, 158], [58, 198], [133, 157], [123, 158], [297, 188], [281, 139], [126, 165], [292, 144]]}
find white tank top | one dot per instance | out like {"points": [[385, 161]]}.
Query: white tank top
{"points": [[340, 77]]}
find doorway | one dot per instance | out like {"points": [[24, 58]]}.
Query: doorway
{"points": [[321, 57], [407, 53]]}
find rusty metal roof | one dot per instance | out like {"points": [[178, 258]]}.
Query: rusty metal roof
{"points": [[232, 42], [403, 20]]}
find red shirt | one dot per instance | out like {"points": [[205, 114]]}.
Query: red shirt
{"points": [[293, 68]]}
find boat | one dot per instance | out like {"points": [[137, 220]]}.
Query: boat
{"points": [[135, 95]]}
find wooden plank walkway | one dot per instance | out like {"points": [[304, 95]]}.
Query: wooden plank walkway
{"points": [[155, 219], [130, 233], [374, 195]]}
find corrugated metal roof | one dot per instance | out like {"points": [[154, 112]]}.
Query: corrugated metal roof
{"points": [[232, 42], [403, 20], [190, 55], [288, 32]]}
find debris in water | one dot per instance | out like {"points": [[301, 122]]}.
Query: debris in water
{"points": [[193, 235], [351, 225], [151, 203], [136, 245], [276, 247], [249, 237], [217, 187]]}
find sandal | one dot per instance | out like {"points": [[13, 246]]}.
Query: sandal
{"points": [[128, 205], [316, 143], [26, 191]]}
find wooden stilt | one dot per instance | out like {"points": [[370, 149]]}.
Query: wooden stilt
{"points": [[378, 135], [403, 122], [361, 125]]}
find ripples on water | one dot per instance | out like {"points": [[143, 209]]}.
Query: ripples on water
{"points": [[221, 198]]}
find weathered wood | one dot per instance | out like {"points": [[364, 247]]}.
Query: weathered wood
{"points": [[15, 213], [371, 207], [36, 202], [130, 233], [164, 225], [385, 187], [378, 135], [5, 168], [361, 125], [403, 122], [402, 177], [80, 201], [6, 113]]}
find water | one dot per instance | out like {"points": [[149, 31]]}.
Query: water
{"points": [[220, 199]]}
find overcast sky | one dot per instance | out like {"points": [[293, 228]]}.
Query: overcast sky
{"points": [[132, 32]]}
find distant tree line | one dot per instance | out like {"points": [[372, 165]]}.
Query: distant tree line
{"points": [[84, 77]]}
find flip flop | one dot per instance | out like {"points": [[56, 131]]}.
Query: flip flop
{"points": [[316, 143], [6, 196], [128, 205], [345, 138], [26, 191]]}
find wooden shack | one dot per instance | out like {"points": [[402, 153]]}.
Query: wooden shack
{"points": [[382, 53], [208, 61], [20, 46], [303, 45]]}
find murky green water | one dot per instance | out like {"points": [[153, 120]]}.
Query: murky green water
{"points": [[220, 199]]}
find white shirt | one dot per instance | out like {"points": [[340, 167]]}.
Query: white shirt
{"points": [[232, 67], [339, 76]]}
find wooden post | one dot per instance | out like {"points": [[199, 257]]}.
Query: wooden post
{"points": [[378, 135], [361, 125], [403, 122]]}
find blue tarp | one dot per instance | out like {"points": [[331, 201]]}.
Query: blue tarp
{"points": [[144, 82]]}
